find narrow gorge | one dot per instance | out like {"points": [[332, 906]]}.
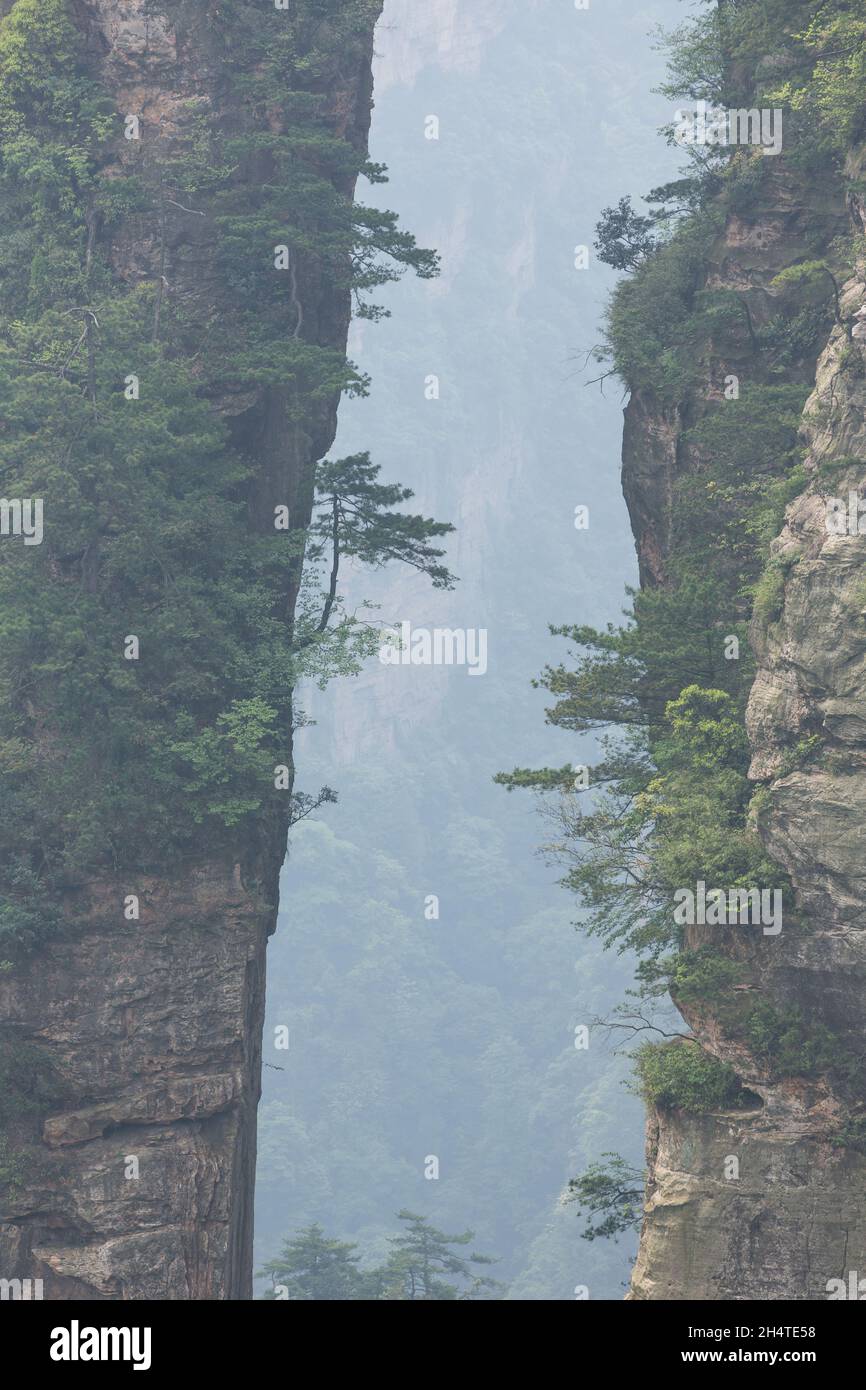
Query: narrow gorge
{"points": [[203, 549]]}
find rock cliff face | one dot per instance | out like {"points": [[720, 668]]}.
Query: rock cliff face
{"points": [[792, 1217], [140, 1179]]}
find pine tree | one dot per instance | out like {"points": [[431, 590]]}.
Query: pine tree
{"points": [[312, 1267], [422, 1256]]}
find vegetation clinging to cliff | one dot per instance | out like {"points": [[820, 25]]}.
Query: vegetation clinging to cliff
{"points": [[113, 390], [721, 362], [660, 816]]}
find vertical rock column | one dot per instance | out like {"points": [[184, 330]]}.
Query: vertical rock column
{"points": [[142, 1180], [793, 1219]]}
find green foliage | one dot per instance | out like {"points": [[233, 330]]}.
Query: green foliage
{"points": [[358, 509], [609, 1195], [424, 1263], [355, 519], [663, 325], [682, 1076], [143, 535], [696, 808], [814, 274], [623, 237], [746, 469], [670, 803], [769, 597], [654, 324], [706, 734], [626, 676], [29, 1086], [28, 1081], [804, 752], [150, 525], [54, 125], [852, 1135], [13, 1167], [784, 1040], [226, 758], [703, 977], [312, 1267], [730, 55], [830, 89]]}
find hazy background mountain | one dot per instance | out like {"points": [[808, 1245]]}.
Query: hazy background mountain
{"points": [[455, 1037]]}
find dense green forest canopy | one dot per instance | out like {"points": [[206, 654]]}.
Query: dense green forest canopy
{"points": [[152, 642]]}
